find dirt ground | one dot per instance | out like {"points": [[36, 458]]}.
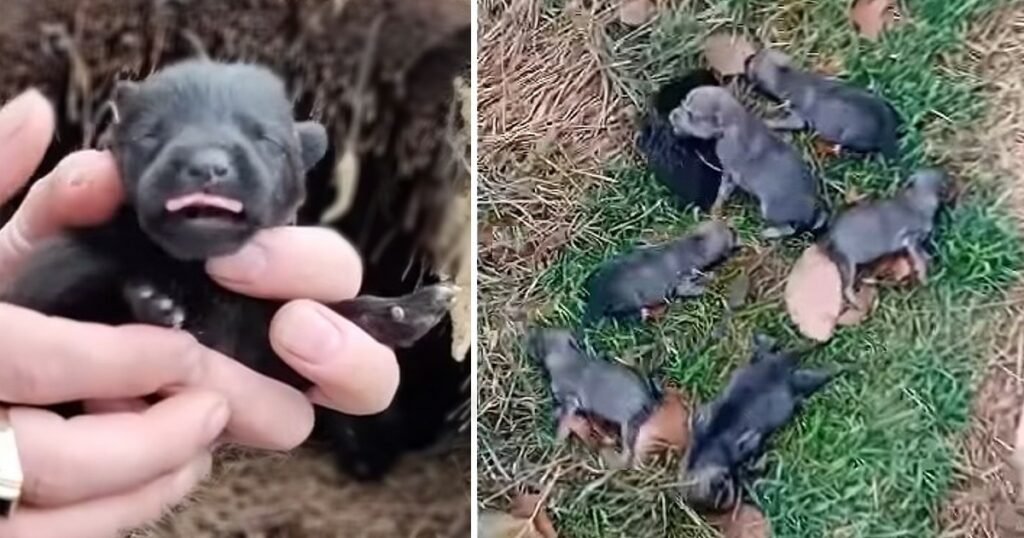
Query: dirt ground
{"points": [[303, 496]]}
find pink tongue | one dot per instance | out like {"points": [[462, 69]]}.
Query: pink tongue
{"points": [[201, 199]]}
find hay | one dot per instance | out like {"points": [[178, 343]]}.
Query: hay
{"points": [[549, 120]]}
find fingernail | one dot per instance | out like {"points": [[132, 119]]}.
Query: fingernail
{"points": [[243, 266], [307, 333], [15, 113], [195, 471], [216, 419]]}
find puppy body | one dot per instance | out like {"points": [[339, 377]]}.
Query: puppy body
{"points": [[585, 385], [754, 159], [870, 230], [687, 165], [731, 431], [840, 113], [209, 154], [626, 286]]}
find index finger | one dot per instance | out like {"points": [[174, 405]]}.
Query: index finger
{"points": [[26, 128], [50, 360]]}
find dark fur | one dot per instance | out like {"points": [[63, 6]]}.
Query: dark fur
{"points": [[585, 385], [624, 286], [754, 159], [687, 165], [852, 117], [872, 229], [732, 431], [148, 265]]}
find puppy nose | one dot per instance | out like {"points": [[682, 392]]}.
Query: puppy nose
{"points": [[209, 165]]}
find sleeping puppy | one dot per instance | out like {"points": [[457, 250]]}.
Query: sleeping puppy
{"points": [[686, 165], [754, 159], [731, 432], [840, 113], [870, 230], [585, 385], [209, 154], [626, 286]]}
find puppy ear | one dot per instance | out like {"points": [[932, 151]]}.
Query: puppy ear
{"points": [[312, 141], [123, 97], [125, 92]]}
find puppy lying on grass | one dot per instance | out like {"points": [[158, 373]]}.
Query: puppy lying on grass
{"points": [[730, 433], [627, 286], [586, 385], [840, 113], [870, 230], [754, 159]]}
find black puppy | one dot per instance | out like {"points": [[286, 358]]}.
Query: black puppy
{"points": [[731, 431], [687, 165], [589, 386], [627, 286], [209, 154]]}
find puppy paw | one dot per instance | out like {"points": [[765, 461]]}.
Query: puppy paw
{"points": [[777, 232], [150, 306], [690, 288], [399, 321]]}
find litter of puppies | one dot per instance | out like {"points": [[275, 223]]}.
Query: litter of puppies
{"points": [[698, 137]]}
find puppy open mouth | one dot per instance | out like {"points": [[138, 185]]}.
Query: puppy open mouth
{"points": [[206, 207]]}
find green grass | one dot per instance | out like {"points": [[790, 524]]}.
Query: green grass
{"points": [[871, 456]]}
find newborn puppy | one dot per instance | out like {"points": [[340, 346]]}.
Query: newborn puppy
{"points": [[730, 432], [628, 285], [209, 154], [586, 385], [870, 230], [843, 114], [686, 165], [754, 159]]}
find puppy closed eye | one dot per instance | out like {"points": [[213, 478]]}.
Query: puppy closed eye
{"points": [[147, 139]]}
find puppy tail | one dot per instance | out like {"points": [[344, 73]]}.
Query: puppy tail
{"points": [[890, 149]]}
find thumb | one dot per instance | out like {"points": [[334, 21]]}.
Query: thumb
{"points": [[351, 371]]}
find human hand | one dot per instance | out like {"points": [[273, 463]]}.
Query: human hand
{"points": [[351, 371], [123, 463]]}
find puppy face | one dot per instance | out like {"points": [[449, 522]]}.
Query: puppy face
{"points": [[552, 348], [209, 154], [708, 485], [705, 113], [714, 240], [930, 181], [768, 69]]}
